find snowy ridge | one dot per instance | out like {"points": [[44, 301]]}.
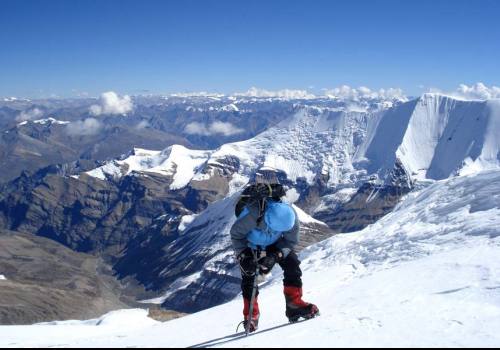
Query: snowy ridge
{"points": [[226, 108], [176, 161], [140, 159], [305, 146], [427, 274], [48, 121], [446, 136], [434, 137]]}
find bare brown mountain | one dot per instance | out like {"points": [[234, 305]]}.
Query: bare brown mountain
{"points": [[47, 281]]}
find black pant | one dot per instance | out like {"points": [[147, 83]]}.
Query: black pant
{"points": [[291, 271]]}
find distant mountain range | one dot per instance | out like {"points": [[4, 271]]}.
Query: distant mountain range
{"points": [[37, 134], [160, 216]]}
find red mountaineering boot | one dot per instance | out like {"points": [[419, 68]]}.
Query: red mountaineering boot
{"points": [[254, 322], [296, 308]]}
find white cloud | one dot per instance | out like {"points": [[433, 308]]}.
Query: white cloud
{"points": [[196, 128], [478, 91], [87, 127], [197, 94], [111, 103], [143, 124], [216, 128], [226, 129], [363, 93], [285, 93], [30, 114]]}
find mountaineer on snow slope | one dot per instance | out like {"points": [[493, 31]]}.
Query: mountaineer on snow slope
{"points": [[266, 233]]}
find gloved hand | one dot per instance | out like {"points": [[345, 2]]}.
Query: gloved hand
{"points": [[247, 262], [267, 263]]}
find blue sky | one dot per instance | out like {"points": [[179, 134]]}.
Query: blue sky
{"points": [[62, 47]]}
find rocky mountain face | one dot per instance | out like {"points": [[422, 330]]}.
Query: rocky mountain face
{"points": [[46, 281], [94, 216], [161, 218]]}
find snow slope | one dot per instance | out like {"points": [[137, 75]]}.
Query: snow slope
{"points": [[444, 133], [427, 274]]}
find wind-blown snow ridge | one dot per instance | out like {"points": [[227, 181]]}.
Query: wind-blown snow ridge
{"points": [[426, 275]]}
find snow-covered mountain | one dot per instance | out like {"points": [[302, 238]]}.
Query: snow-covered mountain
{"points": [[427, 274], [446, 136], [349, 160], [433, 137]]}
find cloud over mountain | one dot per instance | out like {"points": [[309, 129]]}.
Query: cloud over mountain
{"points": [[479, 91], [87, 127], [285, 93], [347, 92], [111, 103], [215, 128], [30, 114]]}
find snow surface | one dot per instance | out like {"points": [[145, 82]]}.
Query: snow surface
{"points": [[186, 220], [176, 161], [49, 121], [304, 218], [230, 108], [427, 274], [444, 132], [3, 278]]}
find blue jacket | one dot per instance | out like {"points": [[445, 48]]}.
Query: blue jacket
{"points": [[246, 233]]}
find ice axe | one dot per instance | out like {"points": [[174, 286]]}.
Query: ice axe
{"points": [[254, 291]]}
